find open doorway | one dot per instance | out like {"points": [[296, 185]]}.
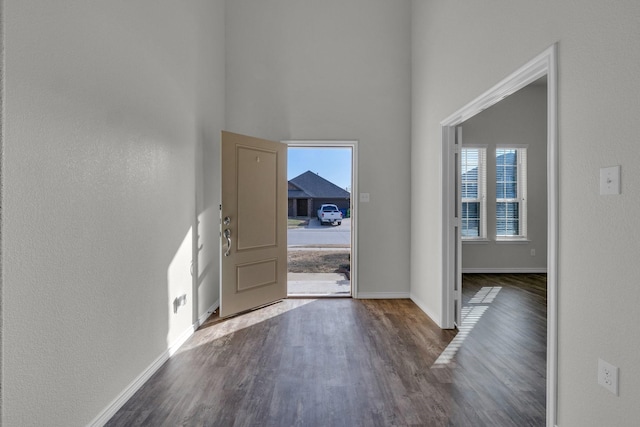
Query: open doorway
{"points": [[503, 185], [321, 218], [503, 228], [541, 66]]}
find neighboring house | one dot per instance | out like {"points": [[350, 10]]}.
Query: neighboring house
{"points": [[309, 191]]}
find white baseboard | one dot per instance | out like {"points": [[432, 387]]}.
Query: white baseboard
{"points": [[383, 295], [498, 270], [135, 385], [129, 391], [208, 313], [422, 306], [181, 339]]}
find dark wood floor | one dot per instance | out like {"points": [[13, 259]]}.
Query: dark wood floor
{"points": [[344, 362]]}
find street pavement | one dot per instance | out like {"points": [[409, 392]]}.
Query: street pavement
{"points": [[318, 284], [316, 234]]}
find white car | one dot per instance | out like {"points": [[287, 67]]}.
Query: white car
{"points": [[329, 214]]}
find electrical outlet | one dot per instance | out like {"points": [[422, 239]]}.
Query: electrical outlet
{"points": [[608, 376], [179, 302], [533, 252]]}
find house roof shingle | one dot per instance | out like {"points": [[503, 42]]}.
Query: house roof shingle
{"points": [[298, 194], [315, 186]]}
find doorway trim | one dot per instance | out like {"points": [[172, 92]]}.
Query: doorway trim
{"points": [[545, 64], [353, 144]]}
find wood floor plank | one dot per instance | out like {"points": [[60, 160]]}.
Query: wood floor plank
{"points": [[344, 362]]}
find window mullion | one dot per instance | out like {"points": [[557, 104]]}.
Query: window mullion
{"points": [[511, 163], [473, 182]]}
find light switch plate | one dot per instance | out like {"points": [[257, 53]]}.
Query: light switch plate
{"points": [[610, 180], [364, 197]]}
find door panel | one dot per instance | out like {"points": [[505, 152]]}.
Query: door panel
{"points": [[254, 238], [256, 169]]}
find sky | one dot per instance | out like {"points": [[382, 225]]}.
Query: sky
{"points": [[333, 164]]}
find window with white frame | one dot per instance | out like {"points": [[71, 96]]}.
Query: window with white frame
{"points": [[473, 189], [511, 192]]}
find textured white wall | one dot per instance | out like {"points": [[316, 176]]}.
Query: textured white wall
{"points": [[210, 82], [1, 190], [333, 69], [461, 49], [112, 111], [519, 119]]}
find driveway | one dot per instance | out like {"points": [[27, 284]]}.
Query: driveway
{"points": [[317, 234]]}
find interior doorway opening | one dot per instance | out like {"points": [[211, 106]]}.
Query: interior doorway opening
{"points": [[321, 218], [543, 65]]}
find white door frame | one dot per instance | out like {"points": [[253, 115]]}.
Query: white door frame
{"points": [[542, 65], [353, 144]]}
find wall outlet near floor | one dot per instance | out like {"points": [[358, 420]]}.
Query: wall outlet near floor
{"points": [[608, 376]]}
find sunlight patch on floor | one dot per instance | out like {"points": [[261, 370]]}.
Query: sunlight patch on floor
{"points": [[486, 295], [223, 327], [470, 317]]}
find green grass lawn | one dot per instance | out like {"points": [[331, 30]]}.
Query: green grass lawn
{"points": [[295, 223], [317, 261]]}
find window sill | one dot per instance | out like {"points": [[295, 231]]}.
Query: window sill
{"points": [[475, 241], [513, 240]]}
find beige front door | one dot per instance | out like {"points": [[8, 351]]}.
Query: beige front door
{"points": [[254, 223]]}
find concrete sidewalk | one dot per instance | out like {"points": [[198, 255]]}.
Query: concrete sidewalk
{"points": [[311, 248], [318, 284]]}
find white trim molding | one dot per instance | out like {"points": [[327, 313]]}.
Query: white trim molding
{"points": [[499, 270], [206, 314], [175, 346], [426, 310], [355, 202], [501, 240], [103, 417], [129, 391], [545, 64], [383, 295]]}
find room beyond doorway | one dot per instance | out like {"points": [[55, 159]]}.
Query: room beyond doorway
{"points": [[321, 218]]}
